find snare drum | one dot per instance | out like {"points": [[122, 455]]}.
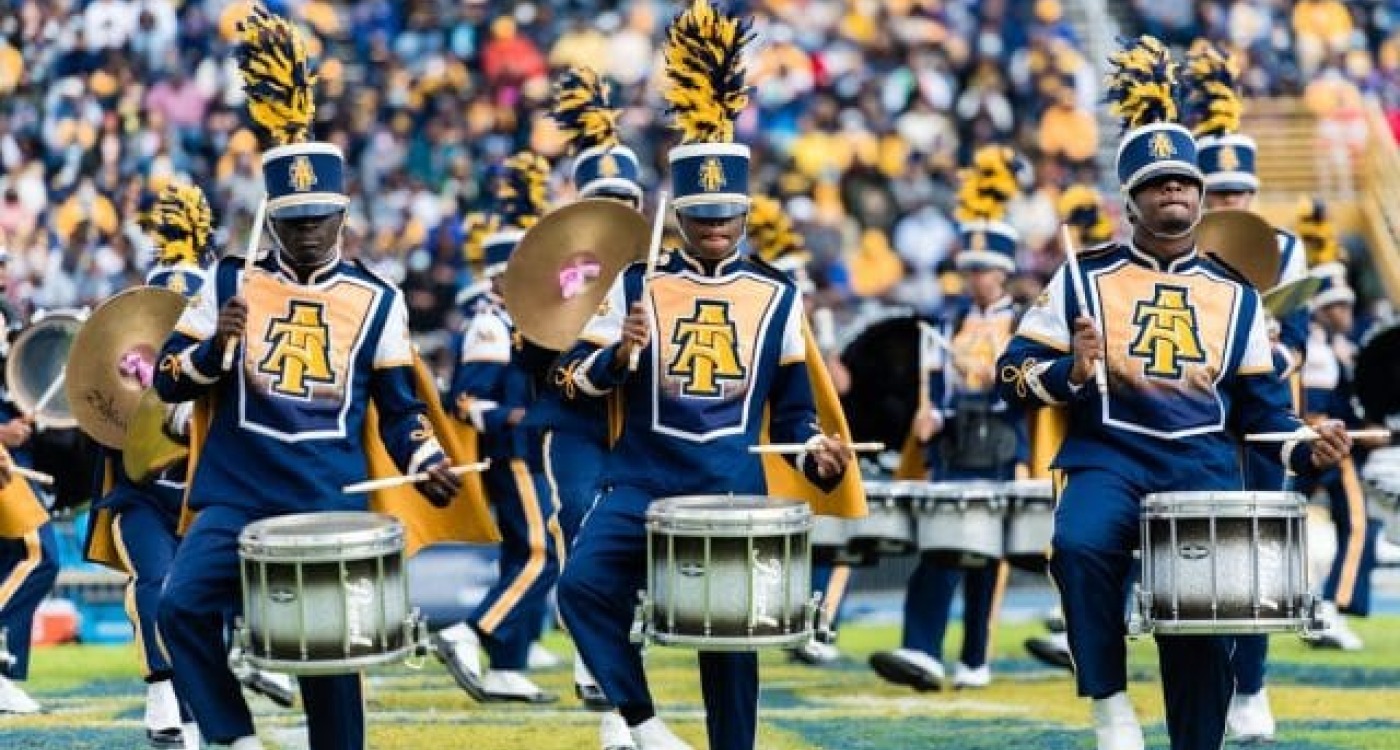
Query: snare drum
{"points": [[888, 528], [1030, 522], [1229, 563], [962, 522], [727, 573], [1390, 508], [831, 538], [1382, 464], [325, 593]]}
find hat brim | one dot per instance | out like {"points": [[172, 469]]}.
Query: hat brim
{"points": [[305, 211], [712, 210]]}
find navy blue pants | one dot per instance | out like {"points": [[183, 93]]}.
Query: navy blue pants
{"points": [[1096, 529], [146, 541], [510, 616], [1348, 583], [28, 569], [598, 600], [572, 463], [202, 588]]}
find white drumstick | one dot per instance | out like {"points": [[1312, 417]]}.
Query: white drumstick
{"points": [[30, 474], [387, 482], [254, 236], [1076, 277], [1308, 433], [658, 229], [799, 448]]}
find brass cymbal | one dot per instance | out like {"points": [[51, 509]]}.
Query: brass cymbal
{"points": [[114, 350], [1245, 242], [564, 266], [148, 449]]}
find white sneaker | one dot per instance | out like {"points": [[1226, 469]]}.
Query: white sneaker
{"points": [[653, 734], [1051, 649], [1387, 552], [815, 653], [13, 699], [1116, 725], [967, 677], [1335, 633], [906, 666], [246, 743], [163, 715], [1250, 719], [458, 648], [190, 733], [586, 688], [542, 658], [509, 685], [614, 733]]}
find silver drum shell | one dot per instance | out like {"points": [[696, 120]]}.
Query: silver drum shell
{"points": [[963, 521]]}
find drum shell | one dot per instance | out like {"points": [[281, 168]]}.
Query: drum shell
{"points": [[324, 602], [1388, 498], [888, 528], [1030, 523], [728, 573], [831, 542], [1224, 563], [962, 523]]}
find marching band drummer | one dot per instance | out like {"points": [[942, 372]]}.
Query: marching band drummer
{"points": [[979, 436], [1227, 160], [728, 344], [492, 391], [320, 339], [1185, 348]]}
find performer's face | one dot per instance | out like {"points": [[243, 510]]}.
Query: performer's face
{"points": [[1169, 205], [712, 239], [1336, 317], [986, 285], [1236, 199], [309, 242]]}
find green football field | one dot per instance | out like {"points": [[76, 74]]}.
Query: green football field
{"points": [[1325, 700]]}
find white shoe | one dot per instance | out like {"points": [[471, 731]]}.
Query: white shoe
{"points": [[542, 658], [1387, 552], [967, 677], [653, 734], [906, 666], [1250, 719], [586, 688], [1335, 633], [508, 685], [13, 700], [163, 715], [246, 743], [193, 741], [458, 648], [1051, 649], [614, 733], [1116, 725], [814, 653]]}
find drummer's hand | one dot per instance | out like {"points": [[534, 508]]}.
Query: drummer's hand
{"points": [[831, 454], [233, 318], [926, 425], [15, 432], [441, 485], [636, 332], [1088, 349], [1332, 445]]}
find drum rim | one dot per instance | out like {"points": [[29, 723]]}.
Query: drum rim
{"points": [[690, 511], [387, 535], [1235, 498]]}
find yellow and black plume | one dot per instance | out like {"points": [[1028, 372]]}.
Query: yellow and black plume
{"points": [[523, 190], [181, 224], [1081, 207], [475, 229], [277, 77], [772, 235], [988, 185], [1213, 102], [1143, 87], [583, 109], [705, 70], [1317, 233]]}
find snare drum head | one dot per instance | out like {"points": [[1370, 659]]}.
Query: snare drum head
{"points": [[968, 489], [318, 532], [1166, 501], [727, 510], [1032, 489]]}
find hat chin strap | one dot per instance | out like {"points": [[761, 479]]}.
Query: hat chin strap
{"points": [[1136, 214]]}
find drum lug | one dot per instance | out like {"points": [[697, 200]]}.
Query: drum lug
{"points": [[817, 621], [640, 619], [1138, 623], [238, 661], [1312, 622], [415, 633], [7, 659]]}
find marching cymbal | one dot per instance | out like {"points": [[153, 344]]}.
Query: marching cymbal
{"points": [[148, 449], [114, 357], [564, 266], [1244, 241], [1285, 298]]}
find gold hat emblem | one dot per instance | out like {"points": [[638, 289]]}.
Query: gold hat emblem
{"points": [[1162, 146], [1229, 159], [712, 175], [301, 176], [607, 166]]}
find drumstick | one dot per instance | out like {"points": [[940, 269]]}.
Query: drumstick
{"points": [[254, 235], [658, 228], [798, 448], [1308, 433], [1077, 278], [32, 475], [371, 485]]}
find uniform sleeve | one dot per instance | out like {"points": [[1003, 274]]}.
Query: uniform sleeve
{"points": [[1293, 327], [1034, 370], [479, 379], [403, 420], [396, 344], [1262, 402], [794, 347], [190, 363], [592, 362]]}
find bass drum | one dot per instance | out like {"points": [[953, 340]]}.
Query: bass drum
{"points": [[1377, 372], [882, 355]]}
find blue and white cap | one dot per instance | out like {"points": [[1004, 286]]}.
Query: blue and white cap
{"points": [[304, 180], [1334, 287], [1227, 163], [1143, 92], [987, 244], [1157, 150], [608, 171], [710, 180]]}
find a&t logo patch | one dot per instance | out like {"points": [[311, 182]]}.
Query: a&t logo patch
{"points": [[299, 353], [707, 350], [1166, 332]]}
